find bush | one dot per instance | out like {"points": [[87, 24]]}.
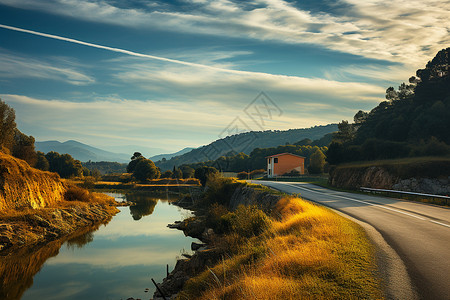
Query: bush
{"points": [[204, 173], [75, 193], [247, 220]]}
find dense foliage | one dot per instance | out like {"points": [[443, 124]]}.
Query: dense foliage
{"points": [[249, 141], [64, 164], [12, 140], [106, 167], [242, 162], [145, 170], [204, 173], [413, 121]]}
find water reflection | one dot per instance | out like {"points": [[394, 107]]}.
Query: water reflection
{"points": [[143, 205], [18, 268], [81, 240], [116, 261]]}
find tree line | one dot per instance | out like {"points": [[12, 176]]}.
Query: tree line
{"points": [[20, 145], [414, 120]]}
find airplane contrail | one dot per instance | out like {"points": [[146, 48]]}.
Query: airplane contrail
{"points": [[175, 61]]}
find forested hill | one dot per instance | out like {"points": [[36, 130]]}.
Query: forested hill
{"points": [[246, 142], [413, 121]]}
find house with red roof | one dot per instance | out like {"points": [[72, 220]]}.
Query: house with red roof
{"points": [[283, 163]]}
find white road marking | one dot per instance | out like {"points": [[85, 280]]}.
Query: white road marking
{"points": [[365, 202]]}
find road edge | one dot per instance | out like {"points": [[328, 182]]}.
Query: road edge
{"points": [[392, 270], [394, 277]]}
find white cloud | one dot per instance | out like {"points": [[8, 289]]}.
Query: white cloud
{"points": [[406, 31], [15, 66]]}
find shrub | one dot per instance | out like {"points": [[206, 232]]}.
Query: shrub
{"points": [[247, 220], [75, 193]]}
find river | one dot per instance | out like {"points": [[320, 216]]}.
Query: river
{"points": [[115, 261]]}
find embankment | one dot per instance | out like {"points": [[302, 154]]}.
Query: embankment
{"points": [[421, 175], [37, 206], [262, 244]]}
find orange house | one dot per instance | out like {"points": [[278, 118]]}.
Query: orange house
{"points": [[283, 163]]}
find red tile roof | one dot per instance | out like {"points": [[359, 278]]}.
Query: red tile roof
{"points": [[276, 155]]}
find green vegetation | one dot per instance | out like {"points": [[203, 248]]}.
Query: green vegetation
{"points": [[257, 159], [317, 162], [64, 165], [296, 251], [249, 141], [12, 141], [145, 170], [413, 121], [105, 167], [204, 173]]}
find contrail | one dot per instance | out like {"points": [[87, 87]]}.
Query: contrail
{"points": [[175, 61]]}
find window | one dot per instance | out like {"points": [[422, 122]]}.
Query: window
{"points": [[275, 160]]}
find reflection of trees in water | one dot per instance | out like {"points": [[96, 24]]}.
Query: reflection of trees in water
{"points": [[80, 240], [17, 270], [18, 267], [144, 205]]}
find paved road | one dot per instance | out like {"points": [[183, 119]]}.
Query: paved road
{"points": [[419, 233]]}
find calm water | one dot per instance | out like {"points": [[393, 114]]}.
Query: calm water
{"points": [[114, 262]]}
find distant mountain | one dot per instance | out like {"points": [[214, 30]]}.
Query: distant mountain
{"points": [[130, 149], [81, 151], [246, 142], [170, 155]]}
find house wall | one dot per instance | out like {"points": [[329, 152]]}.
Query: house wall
{"points": [[287, 163]]}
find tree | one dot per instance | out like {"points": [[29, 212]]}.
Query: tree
{"points": [[7, 125], [203, 173], [137, 156], [360, 117], [177, 173], [188, 172], [41, 162], [65, 165], [346, 132], [23, 147], [145, 169], [167, 174], [316, 162]]}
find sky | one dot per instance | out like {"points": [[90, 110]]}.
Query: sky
{"points": [[172, 74]]}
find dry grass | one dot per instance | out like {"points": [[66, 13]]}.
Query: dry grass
{"points": [[307, 252]]}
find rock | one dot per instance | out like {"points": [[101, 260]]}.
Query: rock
{"points": [[195, 246]]}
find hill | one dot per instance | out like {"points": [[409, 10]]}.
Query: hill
{"points": [[81, 152], [246, 142], [170, 155], [413, 121]]}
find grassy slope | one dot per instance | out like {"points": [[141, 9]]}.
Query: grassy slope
{"points": [[306, 252]]}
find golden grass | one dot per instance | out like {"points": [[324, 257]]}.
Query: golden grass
{"points": [[308, 252]]}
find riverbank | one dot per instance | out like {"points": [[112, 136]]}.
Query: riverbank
{"points": [[265, 245], [38, 226], [38, 207]]}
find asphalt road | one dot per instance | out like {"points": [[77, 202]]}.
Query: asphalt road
{"points": [[419, 233]]}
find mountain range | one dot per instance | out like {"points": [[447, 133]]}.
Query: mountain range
{"points": [[81, 151], [246, 142]]}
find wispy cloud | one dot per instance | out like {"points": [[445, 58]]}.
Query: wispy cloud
{"points": [[15, 66], [408, 31], [170, 124]]}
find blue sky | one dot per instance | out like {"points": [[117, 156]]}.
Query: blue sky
{"points": [[173, 74]]}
